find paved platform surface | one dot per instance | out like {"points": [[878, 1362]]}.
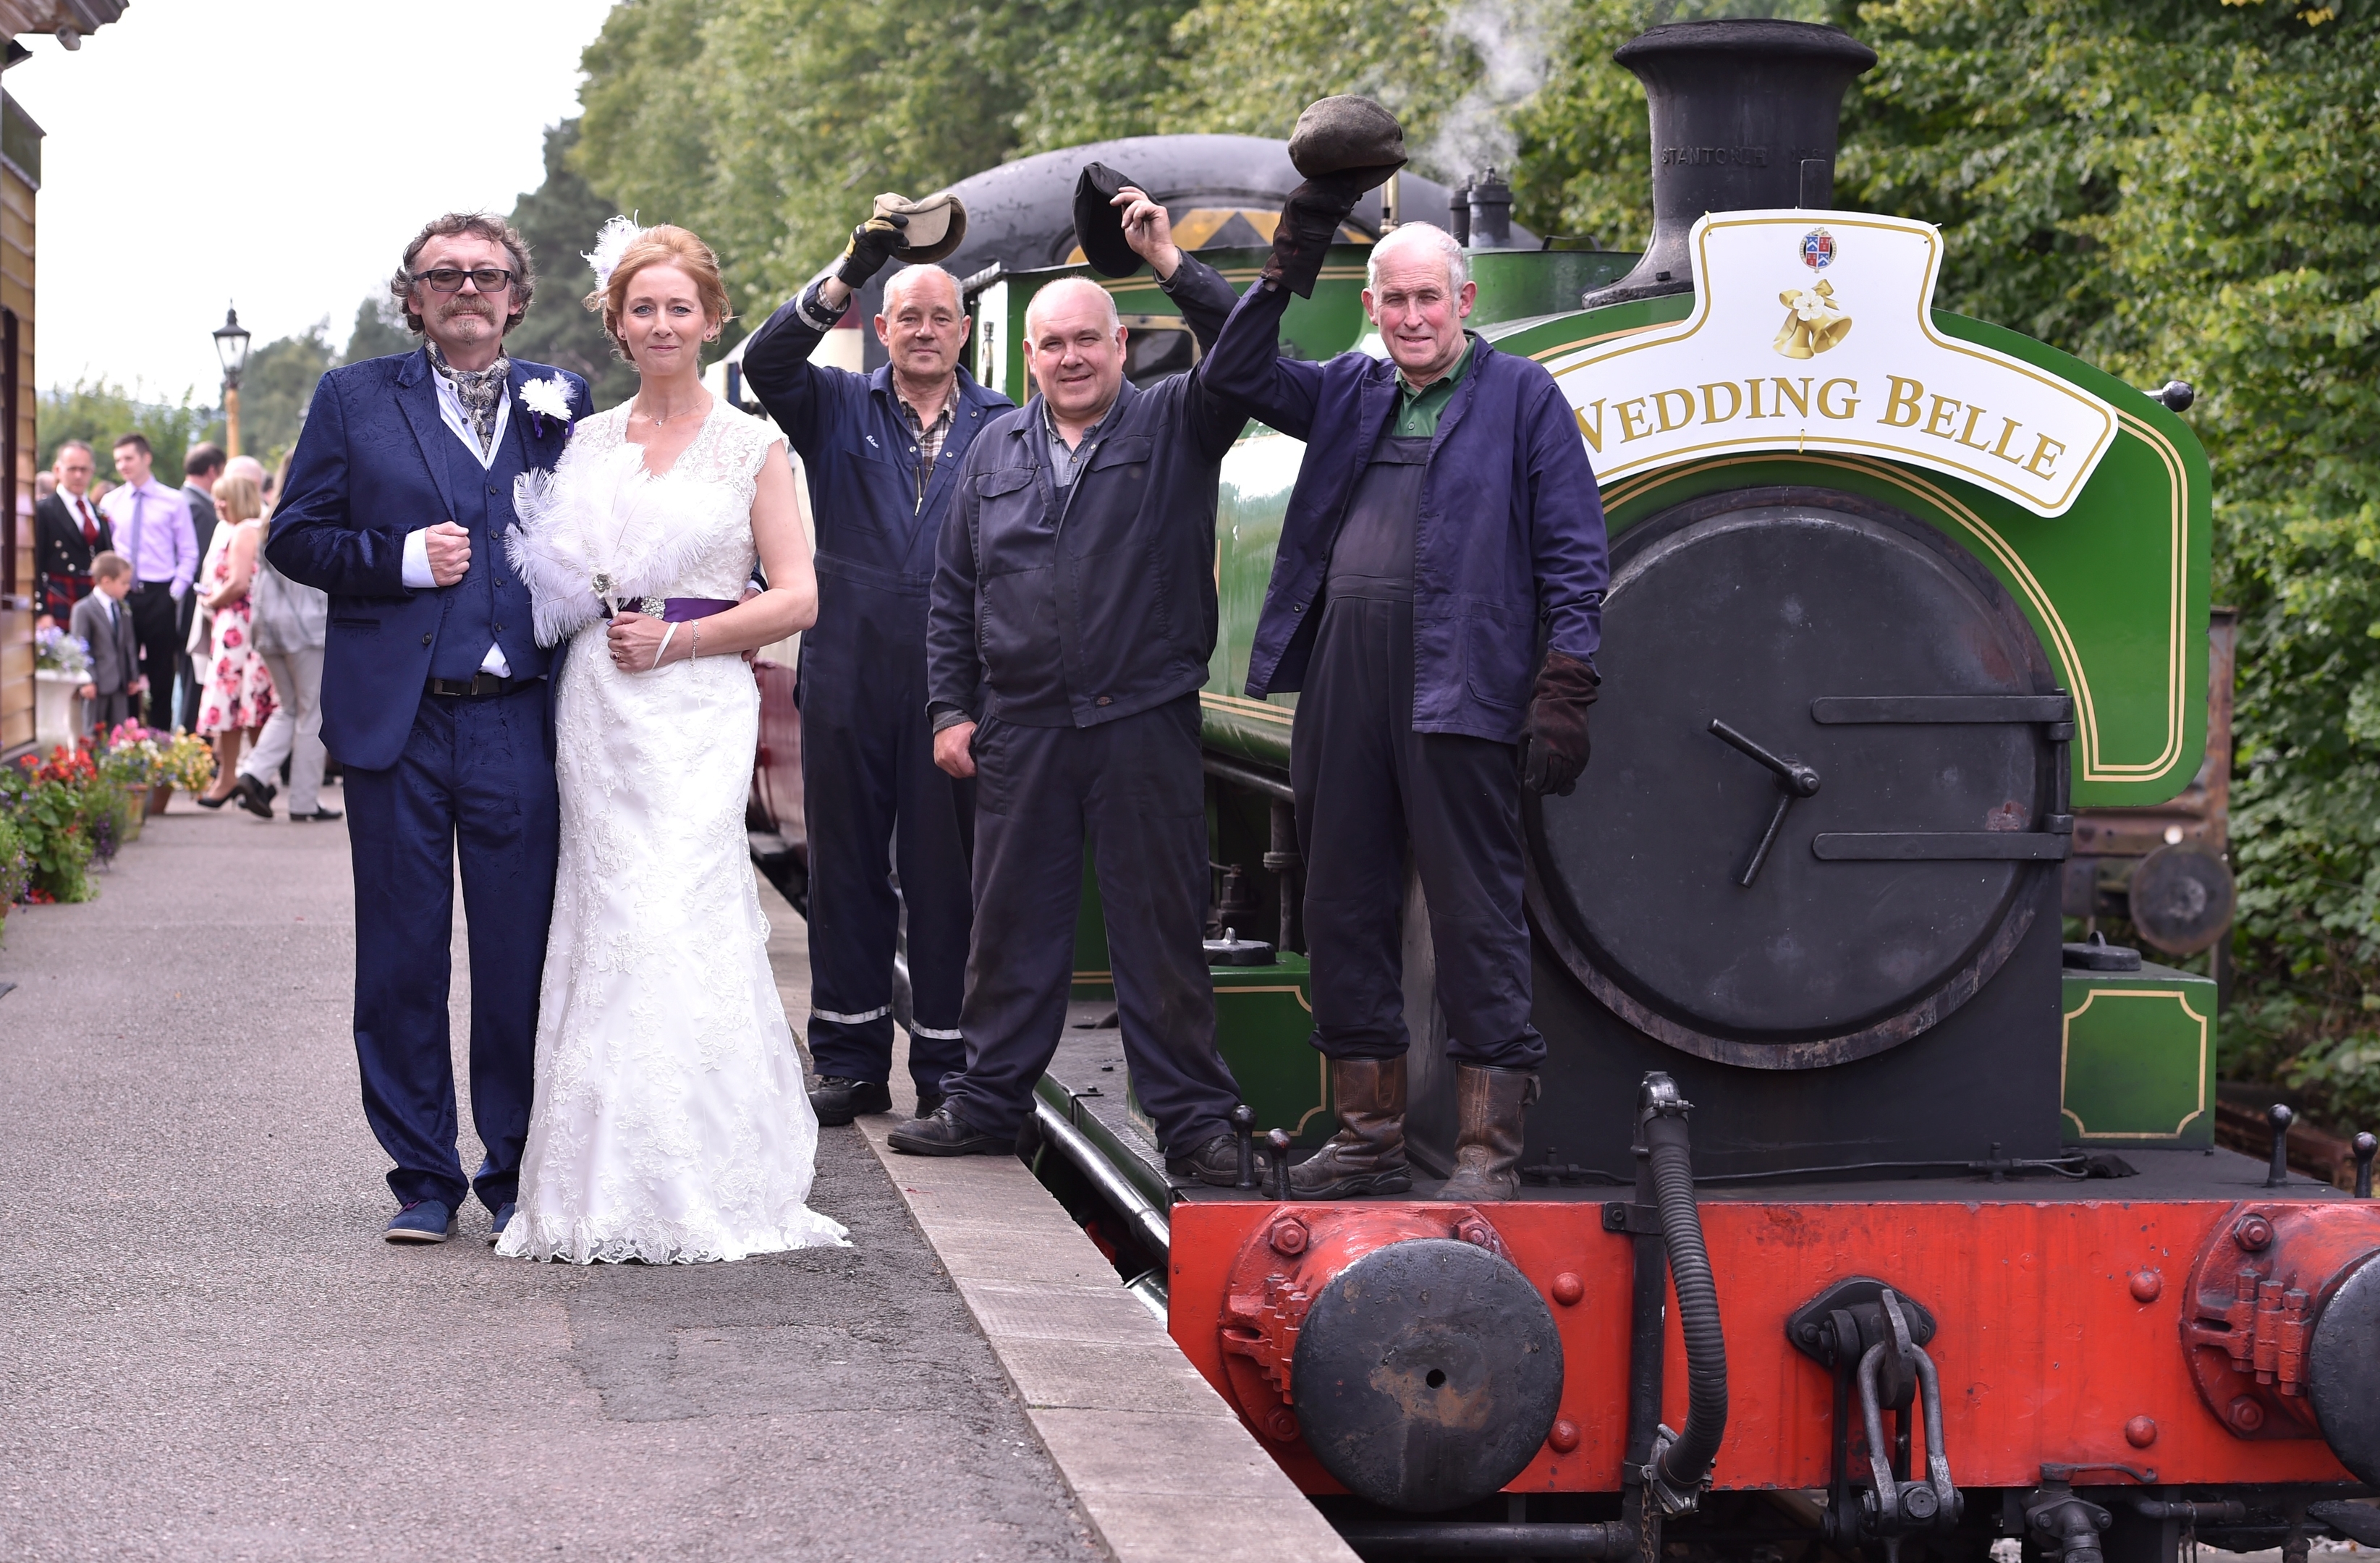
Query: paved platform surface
{"points": [[206, 1350], [1163, 1468]]}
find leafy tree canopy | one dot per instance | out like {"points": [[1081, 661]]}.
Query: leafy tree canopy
{"points": [[99, 411]]}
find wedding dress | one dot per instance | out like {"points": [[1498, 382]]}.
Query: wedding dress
{"points": [[669, 1121]]}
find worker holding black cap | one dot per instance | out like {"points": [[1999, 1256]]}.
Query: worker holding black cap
{"points": [[1072, 621], [882, 452], [1437, 599]]}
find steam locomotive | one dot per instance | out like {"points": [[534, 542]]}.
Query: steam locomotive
{"points": [[1863, 1212]]}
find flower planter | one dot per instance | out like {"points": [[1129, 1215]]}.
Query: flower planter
{"points": [[159, 796], [58, 715]]}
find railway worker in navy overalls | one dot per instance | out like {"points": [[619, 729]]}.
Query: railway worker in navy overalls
{"points": [[883, 452], [1436, 598], [1073, 617]]}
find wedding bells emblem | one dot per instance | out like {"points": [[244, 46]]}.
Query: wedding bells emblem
{"points": [[1813, 322]]}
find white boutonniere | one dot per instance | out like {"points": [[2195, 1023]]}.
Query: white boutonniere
{"points": [[547, 398]]}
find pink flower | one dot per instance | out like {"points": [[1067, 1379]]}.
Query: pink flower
{"points": [[230, 635]]}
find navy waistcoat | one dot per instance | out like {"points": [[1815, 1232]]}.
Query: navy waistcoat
{"points": [[490, 603]]}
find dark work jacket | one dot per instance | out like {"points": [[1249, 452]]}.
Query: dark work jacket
{"points": [[876, 542], [375, 462], [1508, 547], [1056, 609]]}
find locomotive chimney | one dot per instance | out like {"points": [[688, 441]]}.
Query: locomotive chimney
{"points": [[1744, 115]]}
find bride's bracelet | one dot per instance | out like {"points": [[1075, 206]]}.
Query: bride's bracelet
{"points": [[698, 644]]}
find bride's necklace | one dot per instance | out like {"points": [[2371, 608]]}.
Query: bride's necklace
{"points": [[657, 421]]}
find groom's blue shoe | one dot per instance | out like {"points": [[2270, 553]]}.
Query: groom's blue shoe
{"points": [[425, 1220], [503, 1219]]}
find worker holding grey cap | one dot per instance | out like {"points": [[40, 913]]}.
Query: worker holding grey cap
{"points": [[882, 453], [1437, 599]]}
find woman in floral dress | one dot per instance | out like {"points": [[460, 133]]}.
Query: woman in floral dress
{"points": [[238, 697]]}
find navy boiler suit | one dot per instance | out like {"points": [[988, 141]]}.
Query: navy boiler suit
{"points": [[1076, 621], [873, 796]]}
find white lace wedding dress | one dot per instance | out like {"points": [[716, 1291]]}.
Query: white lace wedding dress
{"points": [[670, 1123]]}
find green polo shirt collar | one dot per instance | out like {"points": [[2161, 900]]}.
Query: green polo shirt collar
{"points": [[1418, 410]]}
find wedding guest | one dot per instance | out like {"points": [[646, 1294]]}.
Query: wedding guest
{"points": [[289, 624], [67, 530], [200, 467], [105, 625], [44, 485], [153, 530], [239, 697]]}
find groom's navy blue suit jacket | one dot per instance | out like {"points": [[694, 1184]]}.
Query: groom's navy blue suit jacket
{"points": [[375, 462]]}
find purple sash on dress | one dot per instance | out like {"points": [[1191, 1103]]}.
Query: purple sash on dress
{"points": [[677, 610]]}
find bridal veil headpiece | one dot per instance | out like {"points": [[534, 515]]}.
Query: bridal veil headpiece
{"points": [[611, 241]]}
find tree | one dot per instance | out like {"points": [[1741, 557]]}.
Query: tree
{"points": [[98, 411], [275, 387], [558, 220], [379, 330]]}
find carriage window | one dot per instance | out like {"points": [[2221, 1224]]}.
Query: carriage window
{"points": [[1155, 350]]}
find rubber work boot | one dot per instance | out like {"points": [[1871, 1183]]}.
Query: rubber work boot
{"points": [[1368, 1154], [1488, 1105]]}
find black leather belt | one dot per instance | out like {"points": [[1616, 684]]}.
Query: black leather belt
{"points": [[478, 685]]}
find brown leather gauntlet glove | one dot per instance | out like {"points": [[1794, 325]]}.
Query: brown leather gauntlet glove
{"points": [[1554, 749], [1310, 226]]}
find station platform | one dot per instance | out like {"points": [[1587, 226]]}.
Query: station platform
{"points": [[211, 1353]]}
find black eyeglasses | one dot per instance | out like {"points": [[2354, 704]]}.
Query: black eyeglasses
{"points": [[449, 279]]}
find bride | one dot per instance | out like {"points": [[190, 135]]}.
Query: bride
{"points": [[670, 1123]]}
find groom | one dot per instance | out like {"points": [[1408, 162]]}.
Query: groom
{"points": [[434, 699]]}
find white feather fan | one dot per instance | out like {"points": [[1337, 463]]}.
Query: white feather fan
{"points": [[592, 529]]}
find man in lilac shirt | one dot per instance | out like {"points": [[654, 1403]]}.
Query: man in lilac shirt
{"points": [[154, 529]]}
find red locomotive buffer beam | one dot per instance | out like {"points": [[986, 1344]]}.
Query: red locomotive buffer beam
{"points": [[2212, 1342]]}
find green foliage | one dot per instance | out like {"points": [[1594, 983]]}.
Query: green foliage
{"points": [[558, 220], [274, 388], [379, 332], [48, 809], [100, 410], [15, 870]]}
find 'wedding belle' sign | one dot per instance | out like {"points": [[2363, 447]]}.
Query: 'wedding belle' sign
{"points": [[1812, 331]]}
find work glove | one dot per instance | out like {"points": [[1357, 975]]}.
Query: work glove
{"points": [[872, 243], [1554, 746], [1310, 226]]}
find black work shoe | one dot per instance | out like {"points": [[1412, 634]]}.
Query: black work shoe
{"points": [[929, 1103], [1216, 1162], [838, 1098], [946, 1134], [254, 796]]}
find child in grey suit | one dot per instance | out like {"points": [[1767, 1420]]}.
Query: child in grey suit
{"points": [[102, 622]]}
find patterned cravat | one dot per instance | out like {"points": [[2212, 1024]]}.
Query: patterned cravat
{"points": [[90, 527], [479, 389]]}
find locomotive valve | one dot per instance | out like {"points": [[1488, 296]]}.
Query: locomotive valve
{"points": [[1794, 779]]}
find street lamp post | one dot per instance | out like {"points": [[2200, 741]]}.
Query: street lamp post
{"points": [[231, 346]]}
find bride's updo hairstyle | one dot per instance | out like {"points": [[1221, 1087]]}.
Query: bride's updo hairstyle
{"points": [[661, 245]]}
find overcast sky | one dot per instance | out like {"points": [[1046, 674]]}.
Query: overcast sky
{"points": [[342, 126]]}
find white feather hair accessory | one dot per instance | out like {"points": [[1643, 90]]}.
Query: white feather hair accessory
{"points": [[611, 241]]}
